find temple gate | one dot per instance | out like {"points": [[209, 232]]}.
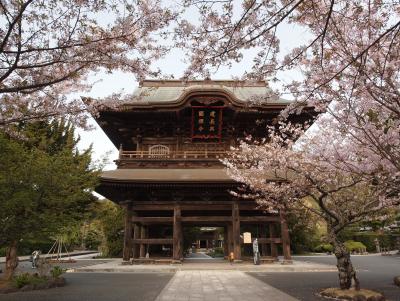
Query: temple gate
{"points": [[171, 139]]}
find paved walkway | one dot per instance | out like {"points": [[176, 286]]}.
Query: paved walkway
{"points": [[219, 286], [198, 255]]}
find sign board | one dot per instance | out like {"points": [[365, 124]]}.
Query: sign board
{"points": [[206, 122], [247, 238]]}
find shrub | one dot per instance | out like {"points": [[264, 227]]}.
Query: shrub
{"points": [[323, 248], [26, 247], [368, 239], [93, 240], [216, 252], [219, 251], [26, 278], [352, 245], [57, 271]]}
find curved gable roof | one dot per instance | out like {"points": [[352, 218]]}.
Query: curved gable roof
{"points": [[170, 93]]}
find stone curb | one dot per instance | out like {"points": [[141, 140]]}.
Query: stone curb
{"points": [[63, 255], [175, 269]]}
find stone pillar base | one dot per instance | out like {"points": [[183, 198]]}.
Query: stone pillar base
{"points": [[126, 262], [287, 262]]}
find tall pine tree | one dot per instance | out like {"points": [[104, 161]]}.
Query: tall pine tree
{"points": [[45, 184]]}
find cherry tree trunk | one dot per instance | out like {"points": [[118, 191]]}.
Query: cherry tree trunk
{"points": [[11, 260], [345, 267]]}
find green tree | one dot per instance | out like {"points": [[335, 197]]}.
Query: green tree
{"points": [[45, 185], [109, 219], [306, 230]]}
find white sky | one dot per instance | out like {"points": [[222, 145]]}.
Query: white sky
{"points": [[105, 84]]}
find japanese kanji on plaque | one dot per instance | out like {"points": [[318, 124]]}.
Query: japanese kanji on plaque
{"points": [[206, 122]]}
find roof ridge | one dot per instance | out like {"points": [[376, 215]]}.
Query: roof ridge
{"points": [[181, 83]]}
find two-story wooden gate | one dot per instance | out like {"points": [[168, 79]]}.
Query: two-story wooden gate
{"points": [[171, 138]]}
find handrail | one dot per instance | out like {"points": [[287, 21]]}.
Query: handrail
{"points": [[173, 155]]}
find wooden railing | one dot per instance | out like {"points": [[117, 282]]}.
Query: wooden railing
{"points": [[188, 155]]}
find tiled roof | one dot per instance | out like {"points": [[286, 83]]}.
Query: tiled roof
{"points": [[164, 92], [171, 175]]}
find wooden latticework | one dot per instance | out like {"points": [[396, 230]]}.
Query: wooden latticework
{"points": [[158, 151]]}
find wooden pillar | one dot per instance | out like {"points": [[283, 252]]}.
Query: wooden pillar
{"points": [[285, 238], [127, 252], [236, 230], [272, 235], [230, 238], [136, 235], [177, 234], [226, 247], [263, 234], [142, 252]]}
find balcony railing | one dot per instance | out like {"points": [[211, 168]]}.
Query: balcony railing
{"points": [[177, 155]]}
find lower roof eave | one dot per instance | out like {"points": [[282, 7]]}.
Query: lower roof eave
{"points": [[173, 176]]}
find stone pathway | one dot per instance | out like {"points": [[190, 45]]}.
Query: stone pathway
{"points": [[219, 286], [198, 255]]}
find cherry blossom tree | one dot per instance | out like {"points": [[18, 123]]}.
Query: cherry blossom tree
{"points": [[282, 171], [48, 49], [350, 70], [350, 66]]}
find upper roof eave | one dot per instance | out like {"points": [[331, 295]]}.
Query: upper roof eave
{"points": [[204, 91]]}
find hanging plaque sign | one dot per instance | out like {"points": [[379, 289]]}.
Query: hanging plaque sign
{"points": [[206, 122], [247, 237]]}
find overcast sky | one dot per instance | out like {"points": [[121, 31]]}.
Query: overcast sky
{"points": [[105, 84]]}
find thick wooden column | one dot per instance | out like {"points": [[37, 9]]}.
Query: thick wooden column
{"points": [[127, 252], [177, 234], [142, 252], [136, 235], [272, 235], [263, 234], [230, 238], [226, 247], [285, 238], [236, 230]]}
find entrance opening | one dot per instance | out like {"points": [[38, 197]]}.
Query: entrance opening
{"points": [[203, 243]]}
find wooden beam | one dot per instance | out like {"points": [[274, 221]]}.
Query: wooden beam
{"points": [[263, 240], [151, 207], [206, 219], [227, 206], [153, 219], [257, 219], [170, 219], [207, 207], [154, 241], [217, 206]]}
